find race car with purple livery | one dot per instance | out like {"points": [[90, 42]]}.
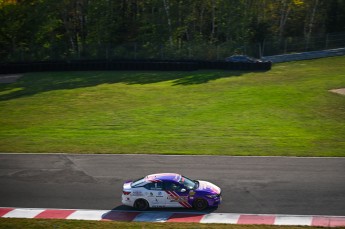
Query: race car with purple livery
{"points": [[170, 190]]}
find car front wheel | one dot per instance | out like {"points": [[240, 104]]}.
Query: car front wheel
{"points": [[141, 205], [200, 204]]}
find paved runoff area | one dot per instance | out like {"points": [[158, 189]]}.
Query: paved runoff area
{"points": [[157, 216]]}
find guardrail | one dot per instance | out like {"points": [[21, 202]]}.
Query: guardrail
{"points": [[305, 55]]}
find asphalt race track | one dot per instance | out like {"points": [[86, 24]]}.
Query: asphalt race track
{"points": [[258, 185]]}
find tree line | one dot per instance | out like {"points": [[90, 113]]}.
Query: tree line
{"points": [[67, 29]]}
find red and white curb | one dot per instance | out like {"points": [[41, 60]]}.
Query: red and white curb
{"points": [[157, 216]]}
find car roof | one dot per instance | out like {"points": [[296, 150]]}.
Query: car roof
{"points": [[158, 177]]}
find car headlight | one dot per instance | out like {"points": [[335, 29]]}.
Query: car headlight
{"points": [[212, 196]]}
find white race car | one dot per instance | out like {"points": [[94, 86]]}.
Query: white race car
{"points": [[170, 190]]}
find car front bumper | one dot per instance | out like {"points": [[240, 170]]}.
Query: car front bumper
{"points": [[214, 202]]}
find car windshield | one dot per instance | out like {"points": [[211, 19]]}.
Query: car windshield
{"points": [[138, 182], [188, 183]]}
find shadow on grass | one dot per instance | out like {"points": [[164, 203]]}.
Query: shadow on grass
{"points": [[35, 83]]}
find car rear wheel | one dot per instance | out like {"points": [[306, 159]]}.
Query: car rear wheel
{"points": [[141, 205], [200, 204]]}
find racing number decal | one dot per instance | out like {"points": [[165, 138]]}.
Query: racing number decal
{"points": [[183, 200]]}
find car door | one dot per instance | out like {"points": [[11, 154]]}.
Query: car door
{"points": [[177, 195], [155, 194]]}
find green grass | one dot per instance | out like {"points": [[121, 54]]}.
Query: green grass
{"points": [[285, 111], [51, 223]]}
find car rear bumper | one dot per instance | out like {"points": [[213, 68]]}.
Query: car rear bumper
{"points": [[126, 200]]}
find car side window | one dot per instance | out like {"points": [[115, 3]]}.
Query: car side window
{"points": [[154, 186], [171, 186]]}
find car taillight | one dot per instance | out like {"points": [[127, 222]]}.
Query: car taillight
{"points": [[126, 193]]}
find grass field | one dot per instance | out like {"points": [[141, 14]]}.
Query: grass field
{"points": [[285, 111], [50, 223]]}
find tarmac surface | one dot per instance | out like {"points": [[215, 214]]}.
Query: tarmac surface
{"points": [[255, 185]]}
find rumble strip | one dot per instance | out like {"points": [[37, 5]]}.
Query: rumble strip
{"points": [[156, 216]]}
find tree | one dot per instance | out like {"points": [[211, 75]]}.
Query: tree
{"points": [[20, 22], [65, 29]]}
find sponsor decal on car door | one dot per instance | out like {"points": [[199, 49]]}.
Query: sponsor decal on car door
{"points": [[156, 196], [177, 195]]}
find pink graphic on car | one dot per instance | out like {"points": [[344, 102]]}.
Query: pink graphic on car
{"points": [[163, 176], [208, 187]]}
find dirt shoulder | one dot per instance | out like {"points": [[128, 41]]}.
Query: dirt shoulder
{"points": [[338, 91]]}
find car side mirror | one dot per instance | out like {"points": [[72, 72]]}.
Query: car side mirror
{"points": [[183, 190]]}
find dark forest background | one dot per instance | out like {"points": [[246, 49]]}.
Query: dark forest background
{"points": [[39, 30]]}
